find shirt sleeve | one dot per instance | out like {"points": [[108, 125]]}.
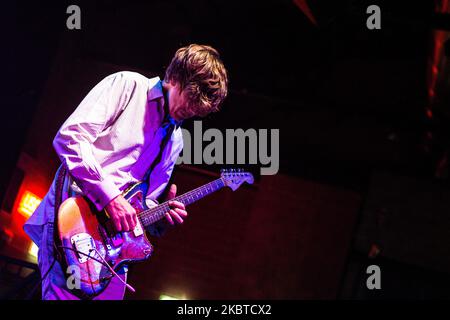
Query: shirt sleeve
{"points": [[74, 141]]}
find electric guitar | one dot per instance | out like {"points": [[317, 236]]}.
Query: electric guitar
{"points": [[85, 238]]}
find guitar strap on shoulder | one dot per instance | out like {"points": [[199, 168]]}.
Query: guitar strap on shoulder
{"points": [[59, 183]]}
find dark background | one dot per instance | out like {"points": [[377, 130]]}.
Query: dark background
{"points": [[363, 142]]}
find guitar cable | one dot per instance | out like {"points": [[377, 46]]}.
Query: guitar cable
{"points": [[57, 256], [32, 291], [104, 263], [112, 270], [83, 253]]}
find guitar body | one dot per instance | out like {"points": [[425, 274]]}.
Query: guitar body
{"points": [[83, 233], [86, 241]]}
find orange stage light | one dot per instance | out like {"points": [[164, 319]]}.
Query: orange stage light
{"points": [[28, 203]]}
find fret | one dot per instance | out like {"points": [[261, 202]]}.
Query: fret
{"points": [[150, 216]]}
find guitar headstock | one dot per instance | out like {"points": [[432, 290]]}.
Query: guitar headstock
{"points": [[233, 178]]}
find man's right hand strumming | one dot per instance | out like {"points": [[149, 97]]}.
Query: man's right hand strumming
{"points": [[122, 214]]}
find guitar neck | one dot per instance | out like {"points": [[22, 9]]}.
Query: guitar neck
{"points": [[152, 215]]}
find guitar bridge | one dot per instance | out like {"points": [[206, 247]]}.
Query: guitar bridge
{"points": [[83, 244]]}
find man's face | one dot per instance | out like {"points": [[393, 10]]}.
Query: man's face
{"points": [[177, 102]]}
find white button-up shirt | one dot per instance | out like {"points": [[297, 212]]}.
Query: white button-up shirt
{"points": [[112, 138]]}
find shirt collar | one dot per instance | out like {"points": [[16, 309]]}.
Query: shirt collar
{"points": [[156, 92]]}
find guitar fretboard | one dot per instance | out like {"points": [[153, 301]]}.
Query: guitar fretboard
{"points": [[150, 216]]}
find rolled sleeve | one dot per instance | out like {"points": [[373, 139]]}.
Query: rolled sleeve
{"points": [[102, 193]]}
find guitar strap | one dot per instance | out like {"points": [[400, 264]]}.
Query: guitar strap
{"points": [[59, 183], [61, 175]]}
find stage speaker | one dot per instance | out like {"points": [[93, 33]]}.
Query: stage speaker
{"points": [[406, 219], [404, 229]]}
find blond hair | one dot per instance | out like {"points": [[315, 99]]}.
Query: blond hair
{"points": [[202, 77]]}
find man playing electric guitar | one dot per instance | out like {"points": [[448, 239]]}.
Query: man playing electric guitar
{"points": [[127, 129]]}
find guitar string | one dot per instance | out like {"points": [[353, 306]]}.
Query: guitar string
{"points": [[157, 212], [161, 209]]}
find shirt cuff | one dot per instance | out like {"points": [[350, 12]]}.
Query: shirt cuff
{"points": [[104, 192]]}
